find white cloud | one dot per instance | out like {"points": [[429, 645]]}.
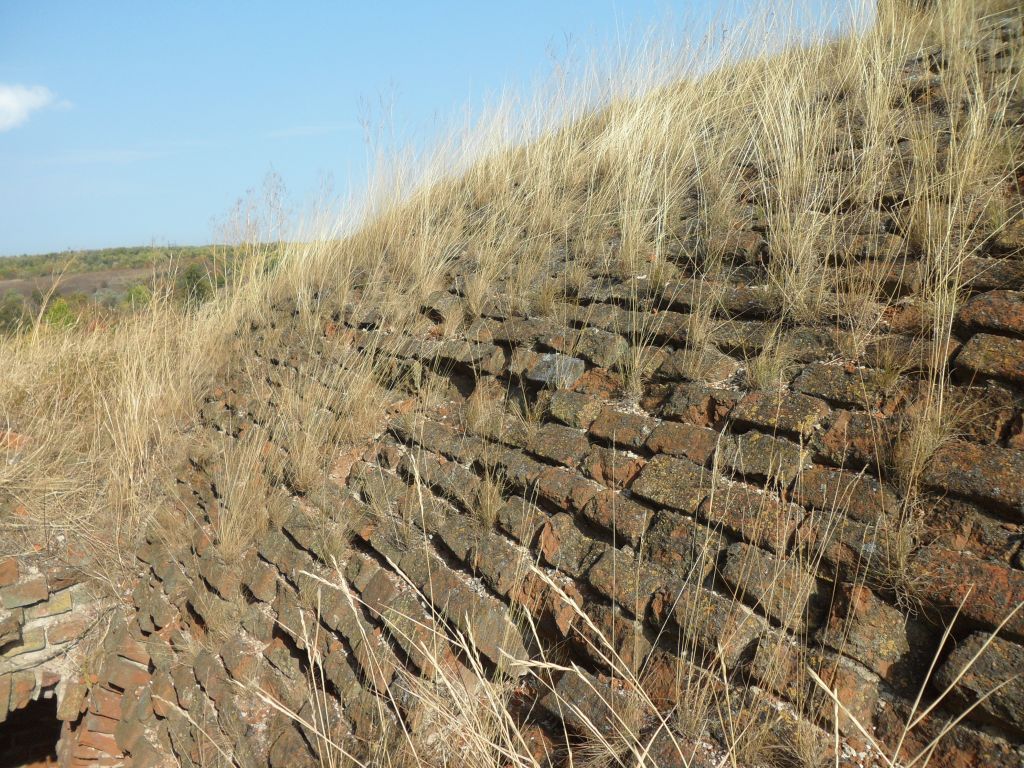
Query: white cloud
{"points": [[17, 102]]}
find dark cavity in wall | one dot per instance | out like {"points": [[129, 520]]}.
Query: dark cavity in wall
{"points": [[28, 738]]}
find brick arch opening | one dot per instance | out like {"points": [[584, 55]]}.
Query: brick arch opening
{"points": [[28, 737]]}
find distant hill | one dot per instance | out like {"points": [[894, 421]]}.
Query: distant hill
{"points": [[99, 260]]}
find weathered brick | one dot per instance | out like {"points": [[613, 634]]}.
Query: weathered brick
{"points": [[707, 364], [959, 746], [755, 454], [682, 545], [32, 639], [23, 593], [622, 429], [716, 625], [58, 602], [845, 385], [894, 647], [781, 411], [981, 472], [699, 404], [780, 666], [619, 514], [560, 444], [563, 546], [779, 586], [996, 310], [990, 355], [566, 489], [611, 467], [8, 571], [851, 438], [676, 483], [994, 674], [989, 590], [860, 496], [597, 346], [756, 515], [555, 370], [574, 408], [695, 443], [627, 581]]}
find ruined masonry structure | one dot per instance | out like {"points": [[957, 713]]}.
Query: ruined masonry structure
{"points": [[701, 520]]}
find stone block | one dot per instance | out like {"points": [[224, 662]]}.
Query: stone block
{"points": [[756, 515], [618, 513], [57, 603], [574, 408], [611, 467], [994, 674], [559, 444], [699, 404], [555, 370], [564, 546], [32, 639], [719, 627], [757, 455], [8, 571], [1001, 311]]}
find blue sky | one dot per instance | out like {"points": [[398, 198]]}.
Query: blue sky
{"points": [[125, 123]]}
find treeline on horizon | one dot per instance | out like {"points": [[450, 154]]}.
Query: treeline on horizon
{"points": [[98, 286]]}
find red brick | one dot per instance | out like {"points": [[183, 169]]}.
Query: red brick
{"points": [[621, 429], [8, 571], [612, 467], [695, 443]]}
